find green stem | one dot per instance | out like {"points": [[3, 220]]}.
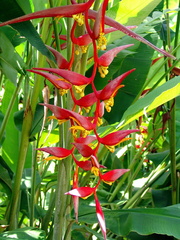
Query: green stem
{"points": [[10, 107], [48, 216], [28, 117], [55, 29], [24, 144], [172, 142], [151, 179], [62, 201], [131, 166], [139, 166], [33, 185], [177, 29]]}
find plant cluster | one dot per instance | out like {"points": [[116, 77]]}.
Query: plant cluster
{"points": [[84, 87]]}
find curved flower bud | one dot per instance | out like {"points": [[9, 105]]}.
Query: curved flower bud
{"points": [[115, 138], [83, 192], [61, 61], [72, 77], [57, 152], [99, 21], [85, 39], [100, 216], [58, 83], [62, 11], [87, 101], [113, 175], [85, 165], [108, 93], [106, 59], [64, 114], [87, 140], [112, 23], [84, 149]]}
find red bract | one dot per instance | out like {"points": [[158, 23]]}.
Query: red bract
{"points": [[87, 140], [115, 138], [64, 114], [84, 149], [111, 88], [112, 23], [85, 165], [85, 39], [113, 175], [62, 11], [106, 58], [86, 101], [82, 192], [100, 216], [57, 82], [99, 21], [70, 76], [75, 198], [61, 61], [57, 152]]}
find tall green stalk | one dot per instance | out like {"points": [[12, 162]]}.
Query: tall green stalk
{"points": [[10, 107], [172, 143], [24, 143], [172, 125], [13, 213], [62, 201]]}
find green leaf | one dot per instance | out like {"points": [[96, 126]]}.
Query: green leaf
{"points": [[10, 61], [26, 29], [13, 36], [157, 97], [27, 233], [131, 14], [11, 143], [143, 221], [141, 61]]}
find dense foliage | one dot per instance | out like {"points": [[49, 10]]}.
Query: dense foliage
{"points": [[89, 120]]}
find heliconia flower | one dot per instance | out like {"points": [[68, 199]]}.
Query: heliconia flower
{"points": [[106, 58], [100, 216], [84, 149], [57, 82], [86, 165], [114, 138], [57, 152], [108, 93], [64, 114], [83, 192], [62, 11], [85, 39], [61, 61], [112, 23], [86, 102], [70, 76], [113, 175], [87, 140], [99, 21]]}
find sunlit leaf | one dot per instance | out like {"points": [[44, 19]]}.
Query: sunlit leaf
{"points": [[157, 97]]}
